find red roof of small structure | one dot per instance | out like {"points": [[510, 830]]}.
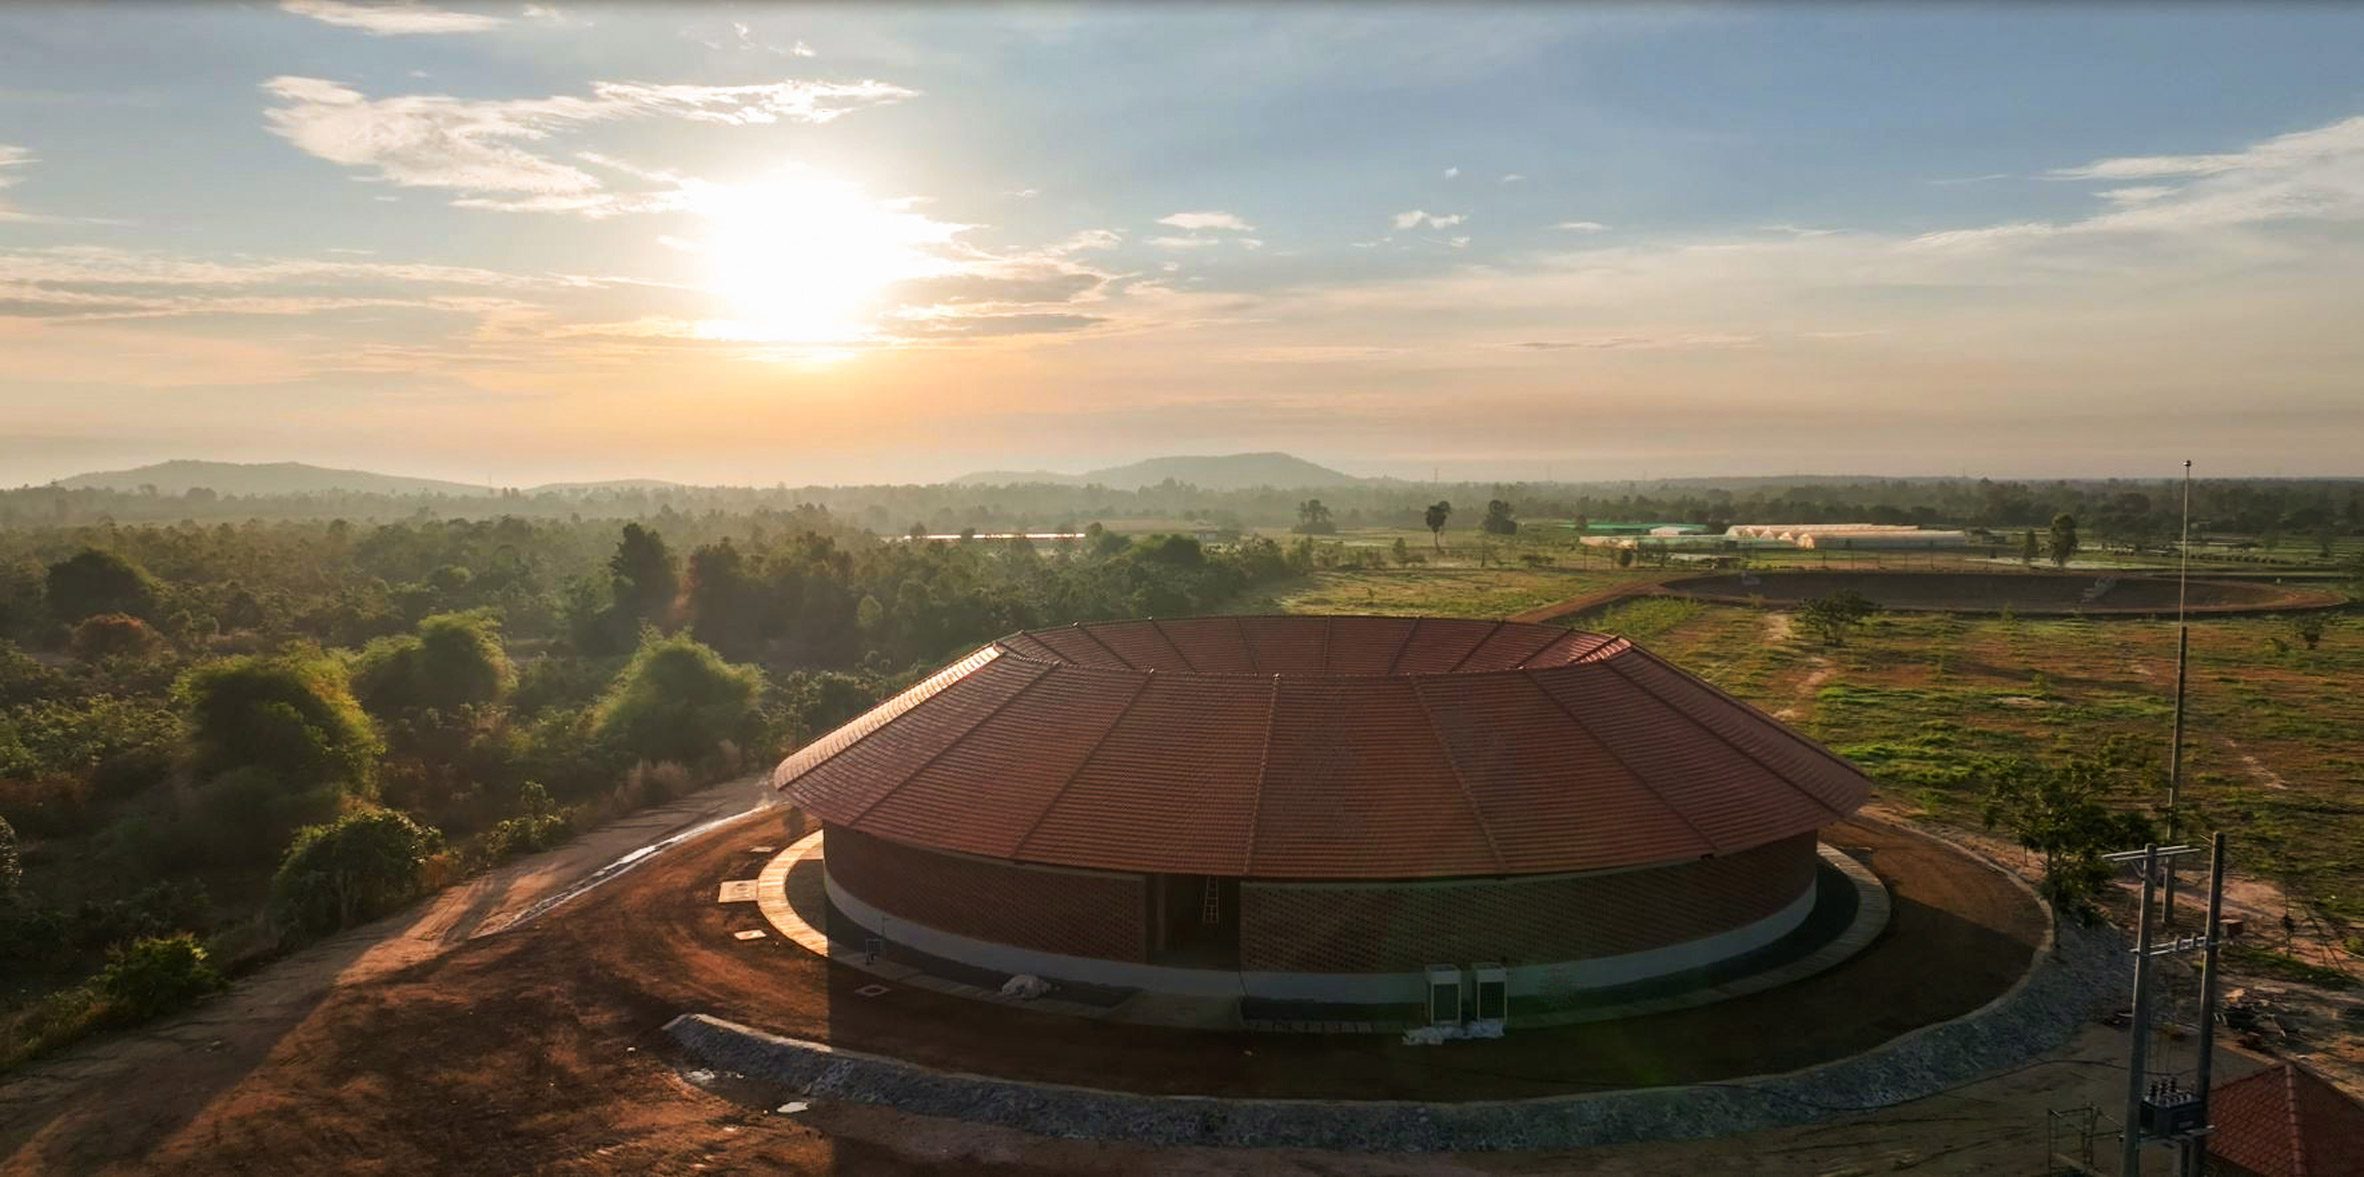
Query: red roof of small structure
{"points": [[2287, 1122], [1321, 747]]}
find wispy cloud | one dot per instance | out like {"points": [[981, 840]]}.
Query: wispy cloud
{"points": [[1419, 217], [1642, 342], [12, 158], [391, 20], [1452, 173], [1229, 222], [478, 146], [1582, 226]]}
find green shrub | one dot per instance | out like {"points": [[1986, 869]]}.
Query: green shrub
{"points": [[539, 825], [677, 701], [154, 976], [356, 868]]}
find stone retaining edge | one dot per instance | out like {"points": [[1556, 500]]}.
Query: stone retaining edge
{"points": [[2057, 995]]}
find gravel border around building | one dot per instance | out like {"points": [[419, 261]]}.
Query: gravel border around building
{"points": [[2059, 994]]}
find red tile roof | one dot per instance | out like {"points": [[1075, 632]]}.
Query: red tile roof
{"points": [[2287, 1122], [1321, 747]]}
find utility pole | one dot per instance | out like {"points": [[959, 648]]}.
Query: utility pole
{"points": [[2195, 1149], [2158, 1111], [2183, 650], [2138, 1026]]}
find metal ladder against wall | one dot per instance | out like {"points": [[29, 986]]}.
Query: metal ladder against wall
{"points": [[1210, 907]]}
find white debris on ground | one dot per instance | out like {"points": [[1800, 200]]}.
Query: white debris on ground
{"points": [[1025, 987], [1433, 1035]]}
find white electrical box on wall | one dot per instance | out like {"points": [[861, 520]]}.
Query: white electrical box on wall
{"points": [[1491, 983], [1444, 995]]}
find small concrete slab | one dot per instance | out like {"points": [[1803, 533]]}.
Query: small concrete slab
{"points": [[738, 891]]}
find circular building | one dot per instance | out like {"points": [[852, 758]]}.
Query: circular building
{"points": [[1320, 808]]}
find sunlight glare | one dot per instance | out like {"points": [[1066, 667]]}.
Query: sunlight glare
{"points": [[805, 258]]}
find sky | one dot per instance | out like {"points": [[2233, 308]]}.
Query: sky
{"points": [[517, 243]]}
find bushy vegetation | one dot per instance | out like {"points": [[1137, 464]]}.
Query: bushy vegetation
{"points": [[354, 869], [257, 734]]}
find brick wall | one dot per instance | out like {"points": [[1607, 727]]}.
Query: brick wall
{"points": [[1383, 928], [1072, 912]]}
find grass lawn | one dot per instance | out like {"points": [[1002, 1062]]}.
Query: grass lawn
{"points": [[2274, 753], [1430, 591]]}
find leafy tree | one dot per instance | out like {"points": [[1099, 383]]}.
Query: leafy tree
{"points": [[102, 636], [1833, 617], [2063, 813], [2028, 548], [455, 660], [356, 868], [644, 576], [92, 582], [156, 975], [677, 701], [2063, 539], [723, 600], [1499, 520], [1437, 514], [1172, 551], [1401, 552], [293, 717], [1314, 519]]}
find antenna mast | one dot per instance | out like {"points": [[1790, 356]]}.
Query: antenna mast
{"points": [[2183, 650]]}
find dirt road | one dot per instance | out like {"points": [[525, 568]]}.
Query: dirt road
{"points": [[135, 1087]]}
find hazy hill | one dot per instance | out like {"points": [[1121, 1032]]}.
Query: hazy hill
{"points": [[1208, 472], [262, 478]]}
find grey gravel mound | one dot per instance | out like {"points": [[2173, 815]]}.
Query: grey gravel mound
{"points": [[2059, 994]]}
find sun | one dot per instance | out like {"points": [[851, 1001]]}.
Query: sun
{"points": [[802, 257]]}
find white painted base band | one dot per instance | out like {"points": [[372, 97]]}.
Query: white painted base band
{"points": [[1557, 980]]}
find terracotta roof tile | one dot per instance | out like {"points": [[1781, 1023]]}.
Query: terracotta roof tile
{"points": [[2287, 1121], [1308, 747]]}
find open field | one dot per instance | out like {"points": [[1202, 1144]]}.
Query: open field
{"points": [[1433, 591]]}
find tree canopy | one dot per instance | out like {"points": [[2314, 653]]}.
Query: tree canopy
{"points": [[2063, 545], [94, 581], [454, 660], [677, 701], [293, 717]]}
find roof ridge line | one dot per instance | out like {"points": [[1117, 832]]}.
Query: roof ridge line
{"points": [[986, 655], [1239, 623], [1402, 646], [1481, 644], [949, 745], [1263, 767], [1453, 762], [1645, 688], [2298, 1130], [1565, 635], [1329, 626], [1173, 645], [1019, 847], [1638, 779], [1121, 660]]}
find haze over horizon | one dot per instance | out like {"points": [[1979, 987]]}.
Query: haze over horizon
{"points": [[517, 244]]}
